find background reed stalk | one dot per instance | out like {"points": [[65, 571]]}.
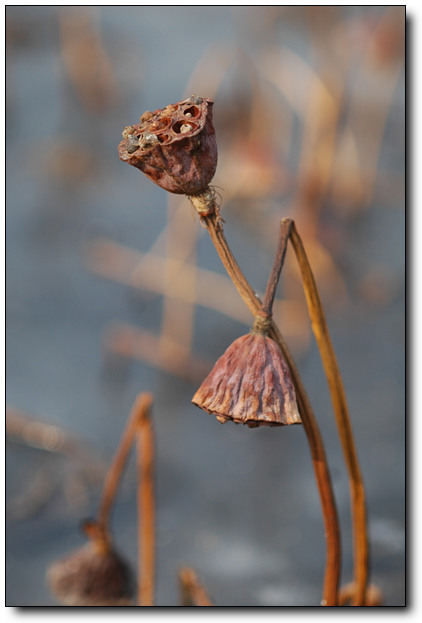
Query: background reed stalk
{"points": [[192, 591], [146, 505], [115, 471]]}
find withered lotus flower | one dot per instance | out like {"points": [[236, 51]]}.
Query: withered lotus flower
{"points": [[175, 147], [250, 384], [93, 575]]}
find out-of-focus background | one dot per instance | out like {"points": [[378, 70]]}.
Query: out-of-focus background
{"points": [[113, 287]]}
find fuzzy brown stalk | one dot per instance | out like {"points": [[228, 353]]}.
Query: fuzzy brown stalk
{"points": [[338, 397], [146, 506], [192, 591], [212, 222], [117, 466]]}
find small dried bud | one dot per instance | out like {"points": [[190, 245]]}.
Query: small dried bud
{"points": [[175, 147], [93, 575], [250, 384]]}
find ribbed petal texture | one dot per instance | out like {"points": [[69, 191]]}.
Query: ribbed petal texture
{"points": [[250, 384]]}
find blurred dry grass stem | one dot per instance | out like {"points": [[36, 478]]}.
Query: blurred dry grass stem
{"points": [[337, 99], [87, 467], [115, 471], [146, 271], [133, 343], [24, 428], [146, 501], [193, 593], [175, 276], [85, 59], [179, 309], [172, 275]]}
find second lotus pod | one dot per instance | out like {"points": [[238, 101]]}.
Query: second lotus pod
{"points": [[93, 575], [251, 383]]}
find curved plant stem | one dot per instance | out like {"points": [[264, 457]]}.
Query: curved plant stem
{"points": [[280, 254], [146, 506], [117, 466], [212, 222], [192, 590], [338, 397]]}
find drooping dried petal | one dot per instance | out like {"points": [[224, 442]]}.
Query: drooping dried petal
{"points": [[175, 147], [250, 384], [91, 577]]}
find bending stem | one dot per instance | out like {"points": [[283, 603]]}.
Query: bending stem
{"points": [[332, 529], [192, 590], [117, 466], [280, 254], [338, 397]]}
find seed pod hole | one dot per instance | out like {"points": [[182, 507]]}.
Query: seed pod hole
{"points": [[182, 127], [163, 138], [192, 111], [159, 124]]}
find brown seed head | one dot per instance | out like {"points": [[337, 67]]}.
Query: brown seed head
{"points": [[175, 147], [93, 575], [250, 384]]}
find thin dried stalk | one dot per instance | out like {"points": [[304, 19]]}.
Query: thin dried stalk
{"points": [[332, 529], [280, 254], [192, 591], [117, 466], [338, 397], [146, 505]]}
